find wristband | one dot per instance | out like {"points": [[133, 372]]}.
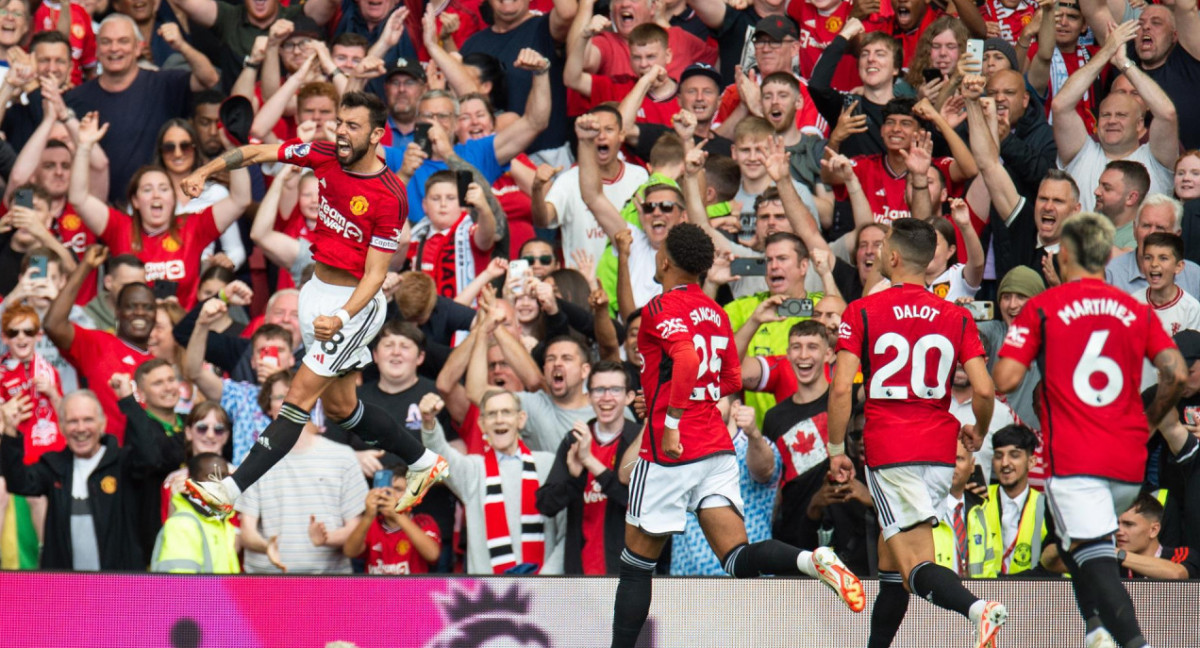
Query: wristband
{"points": [[1121, 555], [222, 296], [836, 449], [343, 315], [671, 422]]}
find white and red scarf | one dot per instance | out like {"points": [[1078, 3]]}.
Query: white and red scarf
{"points": [[495, 516]]}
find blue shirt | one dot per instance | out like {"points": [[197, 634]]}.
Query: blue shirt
{"points": [[480, 153]]}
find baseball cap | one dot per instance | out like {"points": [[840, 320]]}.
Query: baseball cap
{"points": [[777, 27], [302, 25], [411, 67], [701, 69], [1188, 342], [236, 114]]}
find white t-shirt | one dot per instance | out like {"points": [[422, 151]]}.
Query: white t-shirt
{"points": [[951, 284], [1181, 313], [1002, 415], [641, 267], [579, 226], [1089, 163]]}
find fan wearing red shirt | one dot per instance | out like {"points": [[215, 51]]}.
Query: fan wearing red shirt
{"points": [[907, 342], [82, 38], [649, 57], [25, 373], [1090, 340], [910, 18], [97, 355], [819, 22], [686, 461], [392, 542], [1011, 15], [453, 245], [886, 177], [170, 245], [608, 53], [363, 207]]}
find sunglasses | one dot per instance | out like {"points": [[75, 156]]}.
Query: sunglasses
{"points": [[182, 147], [203, 428], [16, 333], [666, 206], [543, 259]]}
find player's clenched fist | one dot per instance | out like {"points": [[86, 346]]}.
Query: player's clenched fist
{"points": [[531, 60], [326, 326], [431, 405]]}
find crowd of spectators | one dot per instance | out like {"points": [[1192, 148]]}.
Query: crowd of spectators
{"points": [[547, 147]]}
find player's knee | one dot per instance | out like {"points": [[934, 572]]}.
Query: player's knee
{"points": [[735, 565], [633, 565]]}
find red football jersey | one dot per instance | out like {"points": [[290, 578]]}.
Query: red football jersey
{"points": [[1089, 339], [817, 31], [595, 509], [885, 188], [40, 431], [1012, 21], [685, 314], [391, 552], [357, 211], [167, 257], [684, 47], [909, 341], [97, 355], [440, 258], [76, 237], [1071, 64], [82, 38]]}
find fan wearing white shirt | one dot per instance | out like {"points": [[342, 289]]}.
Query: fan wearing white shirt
{"points": [[1162, 260], [952, 281]]}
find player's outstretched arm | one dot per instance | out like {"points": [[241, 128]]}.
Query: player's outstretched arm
{"points": [[1172, 374], [237, 158], [841, 394]]}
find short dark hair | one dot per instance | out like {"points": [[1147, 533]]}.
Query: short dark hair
{"points": [[723, 175], [585, 353], [198, 466], [130, 287], [49, 37], [1058, 175], [788, 237], [350, 39], [915, 240], [404, 329], [770, 194], [648, 33], [202, 98], [1016, 435], [112, 263], [610, 108], [148, 366], [1148, 506], [445, 175], [1167, 240], [667, 149], [372, 103], [608, 366], [809, 327], [690, 249], [217, 272], [1136, 177], [272, 332], [784, 78], [900, 106]]}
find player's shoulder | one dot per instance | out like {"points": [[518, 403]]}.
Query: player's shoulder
{"points": [[391, 184]]}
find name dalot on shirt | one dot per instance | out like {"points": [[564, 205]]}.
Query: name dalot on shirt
{"points": [[334, 220], [912, 312]]}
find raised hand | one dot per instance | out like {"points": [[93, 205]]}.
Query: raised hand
{"points": [[95, 256], [684, 122], [91, 131], [531, 60], [778, 160], [121, 384], [848, 124], [172, 35], [960, 213], [211, 312], [919, 155], [587, 127], [280, 30], [694, 161], [430, 406], [622, 242], [749, 90], [597, 25], [972, 87]]}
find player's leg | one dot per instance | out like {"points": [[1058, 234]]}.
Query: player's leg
{"points": [[1095, 634], [891, 604], [657, 508], [905, 497], [1085, 510]]}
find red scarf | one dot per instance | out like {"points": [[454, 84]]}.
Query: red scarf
{"points": [[533, 538]]}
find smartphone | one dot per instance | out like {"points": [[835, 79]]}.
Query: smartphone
{"points": [[932, 74], [164, 289], [23, 198], [465, 178], [748, 267], [795, 308], [382, 479], [421, 138], [975, 49], [269, 356], [977, 476], [982, 311], [39, 265], [518, 270]]}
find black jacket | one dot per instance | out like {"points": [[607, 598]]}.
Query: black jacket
{"points": [[113, 495], [562, 491]]}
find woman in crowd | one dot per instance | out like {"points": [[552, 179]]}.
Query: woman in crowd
{"points": [[207, 429], [169, 244], [938, 49]]}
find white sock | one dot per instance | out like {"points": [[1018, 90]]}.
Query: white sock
{"points": [[425, 462], [805, 562], [976, 610], [231, 487]]}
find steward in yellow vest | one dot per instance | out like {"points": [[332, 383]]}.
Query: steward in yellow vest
{"points": [[991, 550], [195, 540]]}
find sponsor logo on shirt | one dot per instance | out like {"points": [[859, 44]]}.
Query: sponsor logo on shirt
{"points": [[1016, 335], [334, 220], [844, 331], [173, 270], [667, 328]]}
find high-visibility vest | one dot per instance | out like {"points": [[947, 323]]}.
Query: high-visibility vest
{"points": [[945, 546], [985, 536], [190, 543]]}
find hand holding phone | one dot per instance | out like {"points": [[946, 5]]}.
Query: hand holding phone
{"points": [[464, 178], [421, 138], [748, 267], [518, 271], [382, 479]]}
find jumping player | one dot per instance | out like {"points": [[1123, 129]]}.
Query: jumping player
{"points": [[1090, 339], [363, 208], [907, 341], [687, 461]]}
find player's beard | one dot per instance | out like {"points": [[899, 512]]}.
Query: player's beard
{"points": [[356, 153]]}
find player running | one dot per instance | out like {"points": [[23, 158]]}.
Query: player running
{"points": [[687, 461], [1089, 339], [363, 208], [907, 341]]}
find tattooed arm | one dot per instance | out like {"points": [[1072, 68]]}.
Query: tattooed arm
{"points": [[1172, 373], [232, 159]]}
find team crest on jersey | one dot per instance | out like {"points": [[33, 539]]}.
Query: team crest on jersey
{"points": [[402, 547], [844, 331], [667, 328], [170, 244], [940, 289], [297, 151], [359, 205], [833, 24], [71, 222], [1016, 335], [77, 31]]}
